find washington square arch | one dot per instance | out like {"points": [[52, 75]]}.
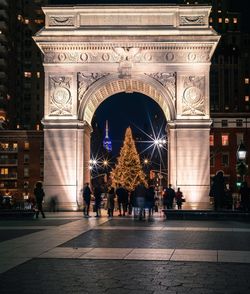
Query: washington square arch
{"points": [[93, 52]]}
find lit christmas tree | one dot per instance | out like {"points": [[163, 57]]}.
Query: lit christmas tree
{"points": [[128, 171]]}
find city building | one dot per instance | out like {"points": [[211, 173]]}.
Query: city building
{"points": [[21, 160], [229, 87]]}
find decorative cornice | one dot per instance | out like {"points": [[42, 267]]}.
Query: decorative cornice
{"points": [[125, 53]]}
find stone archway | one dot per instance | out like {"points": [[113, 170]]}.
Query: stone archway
{"points": [[93, 52]]}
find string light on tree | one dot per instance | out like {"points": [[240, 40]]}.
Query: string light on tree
{"points": [[128, 170]]}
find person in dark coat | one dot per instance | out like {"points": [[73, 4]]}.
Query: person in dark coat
{"points": [[86, 199], [39, 195], [140, 196], [218, 190], [111, 201], [244, 196], [168, 197], [122, 197], [150, 200], [98, 200], [179, 198]]}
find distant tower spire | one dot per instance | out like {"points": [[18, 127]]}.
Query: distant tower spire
{"points": [[107, 144]]}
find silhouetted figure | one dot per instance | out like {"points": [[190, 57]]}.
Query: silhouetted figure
{"points": [[86, 194], [111, 201], [244, 195], [53, 203], [140, 196], [39, 195], [150, 200], [179, 198], [98, 200], [168, 197], [122, 197], [218, 190]]}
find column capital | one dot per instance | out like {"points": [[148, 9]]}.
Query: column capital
{"points": [[189, 124]]}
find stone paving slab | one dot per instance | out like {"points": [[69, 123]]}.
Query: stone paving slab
{"points": [[15, 233], [130, 221], [149, 254], [66, 276], [162, 239]]}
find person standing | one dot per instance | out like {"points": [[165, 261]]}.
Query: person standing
{"points": [[140, 196], [218, 190], [111, 201], [179, 198], [244, 196], [39, 195], [98, 200], [150, 200], [122, 197], [86, 199], [168, 197]]}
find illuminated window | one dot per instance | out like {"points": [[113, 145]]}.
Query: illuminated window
{"points": [[18, 126], [219, 20], [26, 172], [4, 146], [226, 20], [27, 74], [235, 20], [246, 80], [225, 159], [210, 19], [19, 17], [219, 11], [26, 21], [26, 145], [4, 171], [38, 74], [211, 140], [15, 146], [224, 140], [39, 21], [37, 127], [246, 98]]}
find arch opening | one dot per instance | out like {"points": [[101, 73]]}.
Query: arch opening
{"points": [[148, 123]]}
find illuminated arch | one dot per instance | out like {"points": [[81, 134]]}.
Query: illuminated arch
{"points": [[110, 85]]}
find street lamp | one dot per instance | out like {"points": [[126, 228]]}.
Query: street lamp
{"points": [[241, 166], [241, 152], [159, 143]]}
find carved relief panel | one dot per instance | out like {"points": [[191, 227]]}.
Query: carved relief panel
{"points": [[60, 95], [193, 95]]}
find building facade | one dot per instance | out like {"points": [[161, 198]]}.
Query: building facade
{"points": [[21, 160]]}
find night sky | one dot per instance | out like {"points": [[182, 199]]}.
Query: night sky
{"points": [[136, 110]]}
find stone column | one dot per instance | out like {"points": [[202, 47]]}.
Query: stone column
{"points": [[86, 151], [189, 161]]}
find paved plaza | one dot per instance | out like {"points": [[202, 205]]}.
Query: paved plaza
{"points": [[66, 253]]}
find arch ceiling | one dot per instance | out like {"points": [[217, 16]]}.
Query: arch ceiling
{"points": [[100, 91]]}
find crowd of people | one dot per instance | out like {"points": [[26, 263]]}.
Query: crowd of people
{"points": [[222, 195], [137, 202]]}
